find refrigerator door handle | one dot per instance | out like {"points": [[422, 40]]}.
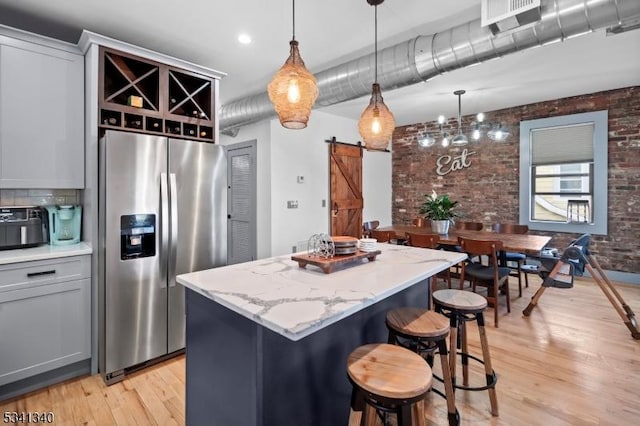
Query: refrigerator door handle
{"points": [[164, 229], [173, 255]]}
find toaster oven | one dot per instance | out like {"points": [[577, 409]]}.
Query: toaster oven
{"points": [[22, 227]]}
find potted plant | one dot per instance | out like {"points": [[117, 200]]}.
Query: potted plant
{"points": [[440, 210]]}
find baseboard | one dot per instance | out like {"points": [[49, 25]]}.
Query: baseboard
{"points": [[622, 277], [39, 381]]}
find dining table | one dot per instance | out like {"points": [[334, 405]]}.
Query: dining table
{"points": [[521, 243]]}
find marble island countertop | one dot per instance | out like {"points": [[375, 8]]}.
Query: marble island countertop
{"points": [[296, 302]]}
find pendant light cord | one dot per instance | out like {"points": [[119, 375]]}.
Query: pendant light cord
{"points": [[294, 18], [376, 43]]}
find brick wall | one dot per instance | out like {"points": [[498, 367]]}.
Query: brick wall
{"points": [[488, 190]]}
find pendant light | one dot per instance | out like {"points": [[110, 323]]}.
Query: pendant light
{"points": [[293, 90], [460, 139], [376, 123], [497, 132]]}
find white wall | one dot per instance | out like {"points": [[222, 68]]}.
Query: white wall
{"points": [[376, 187], [285, 154]]}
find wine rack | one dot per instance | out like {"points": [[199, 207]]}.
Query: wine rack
{"points": [[125, 78], [189, 95], [144, 96]]}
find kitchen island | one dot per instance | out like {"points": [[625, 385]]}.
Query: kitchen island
{"points": [[267, 341]]}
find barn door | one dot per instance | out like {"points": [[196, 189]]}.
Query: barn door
{"points": [[345, 194]]}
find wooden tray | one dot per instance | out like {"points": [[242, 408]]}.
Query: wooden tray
{"points": [[328, 265]]}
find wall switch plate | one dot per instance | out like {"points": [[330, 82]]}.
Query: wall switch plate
{"points": [[300, 179], [292, 204]]}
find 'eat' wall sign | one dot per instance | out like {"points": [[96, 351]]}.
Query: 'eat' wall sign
{"points": [[447, 164]]}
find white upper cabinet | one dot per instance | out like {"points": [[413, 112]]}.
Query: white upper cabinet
{"points": [[41, 114]]}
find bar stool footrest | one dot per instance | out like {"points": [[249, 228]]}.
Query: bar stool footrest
{"points": [[492, 379]]}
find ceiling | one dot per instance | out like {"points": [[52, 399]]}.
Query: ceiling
{"points": [[332, 31]]}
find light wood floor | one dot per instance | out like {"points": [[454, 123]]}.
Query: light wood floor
{"points": [[572, 362]]}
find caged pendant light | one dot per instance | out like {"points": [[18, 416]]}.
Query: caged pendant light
{"points": [[376, 123], [293, 90], [497, 132]]}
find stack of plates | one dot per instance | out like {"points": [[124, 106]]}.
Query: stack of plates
{"points": [[345, 244], [368, 244]]}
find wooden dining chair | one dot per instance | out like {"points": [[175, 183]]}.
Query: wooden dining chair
{"points": [[468, 226], [519, 259], [421, 222], [492, 276], [367, 227], [384, 236], [431, 241], [463, 226]]}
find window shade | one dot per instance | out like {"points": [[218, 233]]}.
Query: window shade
{"points": [[556, 145]]}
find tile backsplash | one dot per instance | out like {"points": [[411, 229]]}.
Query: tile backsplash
{"points": [[38, 197]]}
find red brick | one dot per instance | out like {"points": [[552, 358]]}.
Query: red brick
{"points": [[488, 191]]}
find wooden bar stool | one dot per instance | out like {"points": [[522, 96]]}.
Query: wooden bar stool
{"points": [[461, 307], [387, 378], [425, 332]]}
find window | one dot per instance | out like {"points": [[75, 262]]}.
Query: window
{"points": [[563, 173]]}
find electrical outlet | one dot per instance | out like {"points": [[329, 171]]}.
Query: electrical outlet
{"points": [[300, 179], [292, 204]]}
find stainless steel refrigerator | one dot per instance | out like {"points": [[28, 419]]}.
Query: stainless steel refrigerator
{"points": [[162, 212]]}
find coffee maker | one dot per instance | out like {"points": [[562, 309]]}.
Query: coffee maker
{"points": [[64, 224]]}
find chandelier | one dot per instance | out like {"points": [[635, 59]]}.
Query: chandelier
{"points": [[495, 131], [376, 123], [293, 90]]}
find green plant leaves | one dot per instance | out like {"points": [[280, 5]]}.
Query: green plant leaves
{"points": [[438, 207]]}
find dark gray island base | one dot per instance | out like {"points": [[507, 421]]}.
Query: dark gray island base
{"points": [[240, 373]]}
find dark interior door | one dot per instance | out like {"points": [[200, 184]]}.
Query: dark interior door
{"points": [[345, 176]]}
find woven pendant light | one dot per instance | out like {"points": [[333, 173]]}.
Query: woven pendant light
{"points": [[293, 89], [376, 123]]}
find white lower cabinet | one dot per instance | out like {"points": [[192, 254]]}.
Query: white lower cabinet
{"points": [[45, 316]]}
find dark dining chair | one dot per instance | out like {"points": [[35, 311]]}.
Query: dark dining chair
{"points": [[431, 241], [463, 226], [367, 227], [421, 222], [519, 259], [468, 226], [384, 236], [492, 276]]}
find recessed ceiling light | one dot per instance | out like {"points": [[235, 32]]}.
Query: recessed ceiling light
{"points": [[244, 39]]}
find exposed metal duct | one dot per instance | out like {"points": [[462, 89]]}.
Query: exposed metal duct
{"points": [[425, 57]]}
